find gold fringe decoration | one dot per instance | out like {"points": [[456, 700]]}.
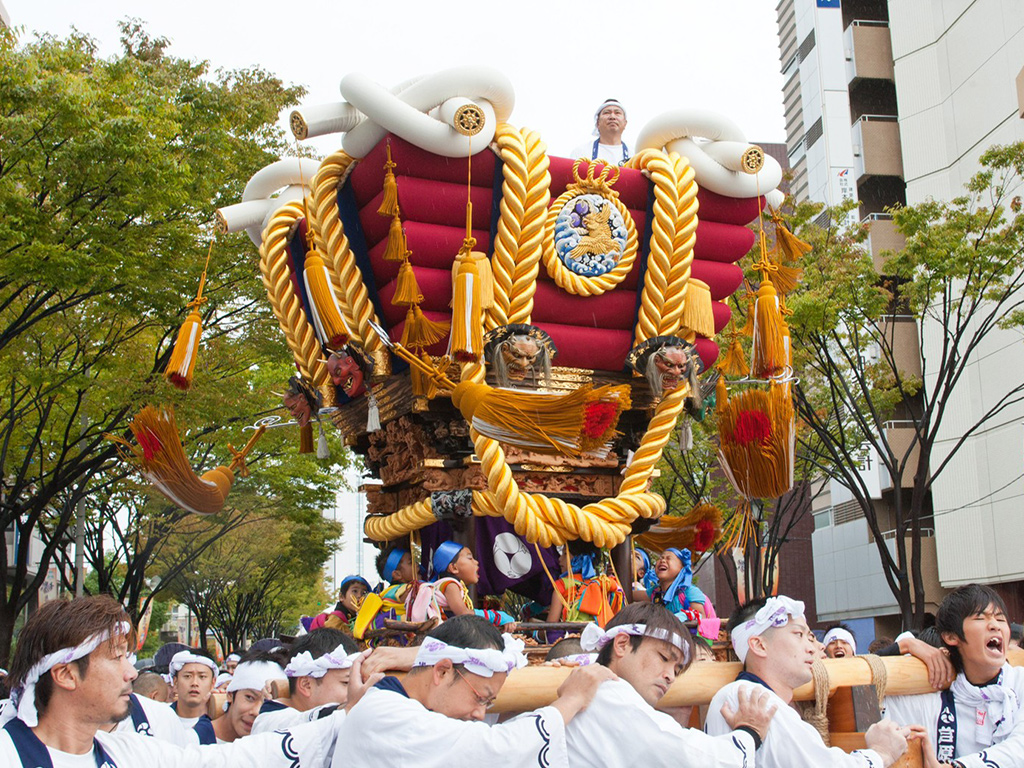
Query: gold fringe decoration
{"points": [[420, 331], [323, 304], [182, 364], [769, 357], [698, 314], [467, 342], [748, 323], [389, 205], [407, 292], [734, 361], [739, 529], [160, 457], [789, 245], [757, 440], [396, 247], [698, 530], [786, 278], [306, 438]]}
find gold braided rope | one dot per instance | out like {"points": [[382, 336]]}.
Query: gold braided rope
{"points": [[351, 290], [566, 279], [549, 521], [526, 192], [673, 235], [287, 307]]}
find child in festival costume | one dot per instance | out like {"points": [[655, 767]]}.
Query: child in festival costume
{"points": [[581, 594], [675, 590], [395, 567], [978, 722], [350, 597], [454, 568]]}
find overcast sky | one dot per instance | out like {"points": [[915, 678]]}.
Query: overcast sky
{"points": [[562, 58]]}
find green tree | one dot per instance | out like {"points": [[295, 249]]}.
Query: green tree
{"points": [[109, 172], [961, 271]]}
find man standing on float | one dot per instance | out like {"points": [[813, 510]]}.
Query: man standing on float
{"points": [[608, 147]]}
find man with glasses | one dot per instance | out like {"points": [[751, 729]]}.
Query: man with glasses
{"points": [[441, 703]]}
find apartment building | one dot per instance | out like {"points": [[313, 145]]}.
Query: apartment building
{"points": [[893, 102]]}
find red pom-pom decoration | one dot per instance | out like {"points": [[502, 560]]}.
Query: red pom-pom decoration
{"points": [[752, 426], [598, 418]]}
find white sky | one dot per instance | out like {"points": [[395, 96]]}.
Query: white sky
{"points": [[563, 59]]}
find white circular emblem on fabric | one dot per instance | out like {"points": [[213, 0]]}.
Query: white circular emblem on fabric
{"points": [[511, 556]]}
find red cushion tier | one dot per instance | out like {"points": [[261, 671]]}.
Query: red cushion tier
{"points": [[591, 332]]}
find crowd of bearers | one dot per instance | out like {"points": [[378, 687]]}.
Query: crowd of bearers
{"points": [[321, 703]]}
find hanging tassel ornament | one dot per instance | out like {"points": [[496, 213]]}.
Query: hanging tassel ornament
{"points": [[698, 314], [467, 341], [389, 205], [372, 412], [685, 436], [791, 247], [396, 247], [182, 364], [734, 361], [420, 331], [769, 357], [323, 450], [407, 291]]}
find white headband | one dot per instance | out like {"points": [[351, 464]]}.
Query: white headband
{"points": [[24, 696], [775, 613], [838, 633], [304, 665], [594, 638], [233, 657], [480, 661], [181, 658], [254, 675]]}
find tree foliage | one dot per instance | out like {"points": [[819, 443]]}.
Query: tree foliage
{"points": [[110, 170], [959, 276]]}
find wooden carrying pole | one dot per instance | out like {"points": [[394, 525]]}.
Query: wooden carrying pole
{"points": [[532, 687]]}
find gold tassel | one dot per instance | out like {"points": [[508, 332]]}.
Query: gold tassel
{"points": [[420, 331], [327, 319], [161, 458], [396, 247], [570, 424], [791, 246], [698, 314], [721, 395], [389, 205], [748, 323], [183, 357], [756, 440], [734, 361], [467, 340], [786, 278], [186, 347], [306, 438], [407, 292], [769, 357]]}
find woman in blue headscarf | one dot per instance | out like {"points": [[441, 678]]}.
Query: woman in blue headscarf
{"points": [[674, 588]]}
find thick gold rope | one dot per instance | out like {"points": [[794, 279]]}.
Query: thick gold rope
{"points": [[526, 192], [673, 235], [274, 267], [348, 281]]}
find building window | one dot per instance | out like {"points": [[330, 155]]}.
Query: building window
{"points": [[814, 133]]}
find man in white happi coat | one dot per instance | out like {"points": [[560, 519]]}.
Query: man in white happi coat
{"points": [[71, 682], [433, 717], [978, 722], [318, 676], [246, 693], [772, 639], [647, 647]]}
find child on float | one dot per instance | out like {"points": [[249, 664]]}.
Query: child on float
{"points": [[580, 593], [674, 586], [395, 568], [350, 597]]}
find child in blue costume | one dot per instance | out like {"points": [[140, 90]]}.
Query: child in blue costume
{"points": [[674, 588]]}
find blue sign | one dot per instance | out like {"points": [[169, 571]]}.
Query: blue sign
{"points": [[828, 3]]}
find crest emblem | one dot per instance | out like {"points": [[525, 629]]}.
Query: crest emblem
{"points": [[590, 230]]}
